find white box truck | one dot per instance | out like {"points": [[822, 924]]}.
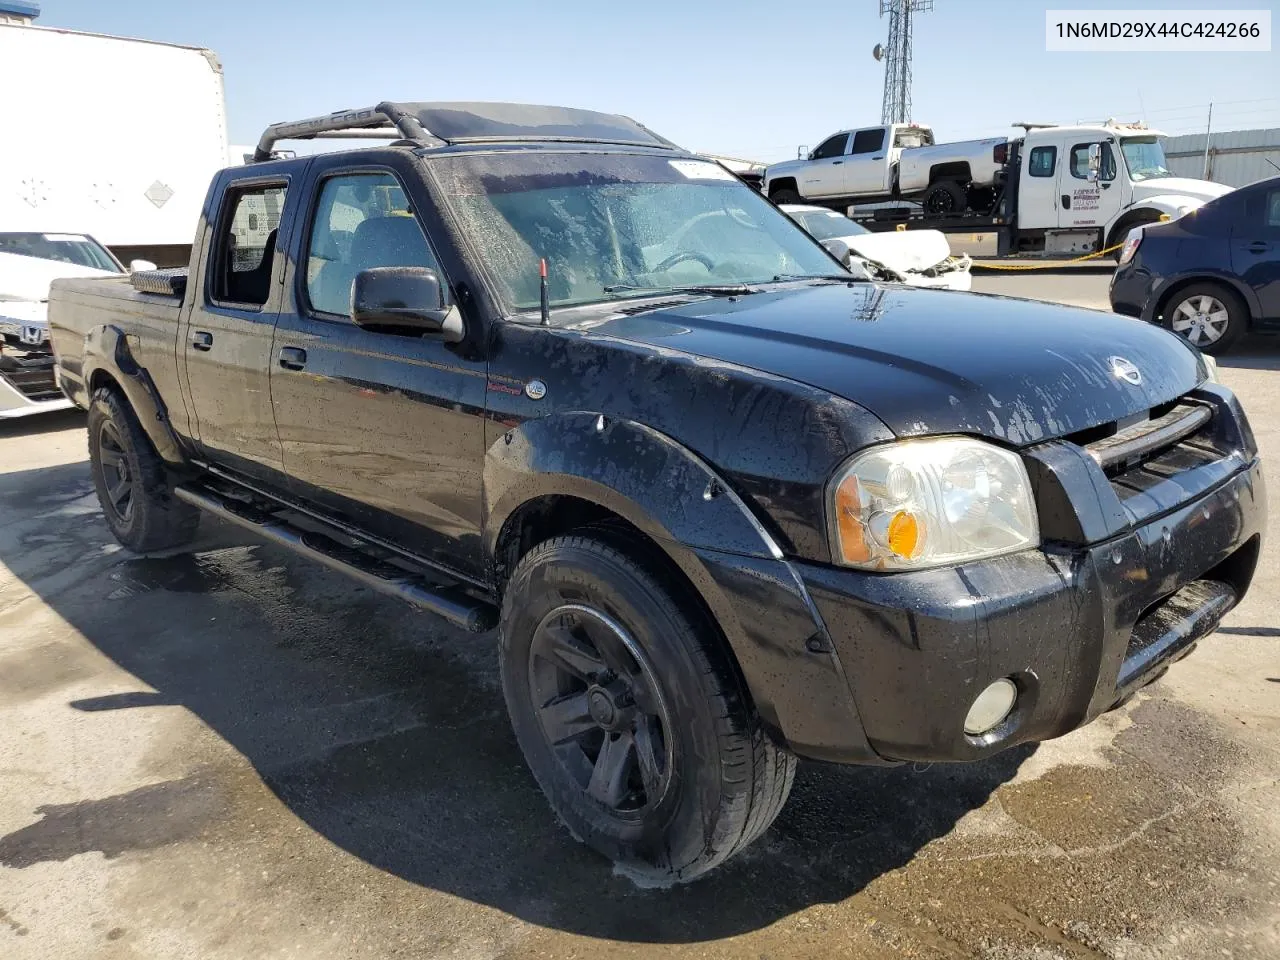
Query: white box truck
{"points": [[110, 137]]}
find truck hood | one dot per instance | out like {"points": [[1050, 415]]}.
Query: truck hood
{"points": [[908, 251], [1174, 187], [784, 168], [930, 362]]}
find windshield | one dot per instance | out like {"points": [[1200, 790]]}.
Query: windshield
{"points": [[612, 225], [64, 247], [826, 225], [1144, 156]]}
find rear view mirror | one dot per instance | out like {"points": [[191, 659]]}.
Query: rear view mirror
{"points": [[140, 266], [1095, 161], [838, 249], [802, 153], [404, 300]]}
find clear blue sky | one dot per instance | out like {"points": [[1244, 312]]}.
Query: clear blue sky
{"points": [[739, 77]]}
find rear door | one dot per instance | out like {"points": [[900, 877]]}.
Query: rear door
{"points": [[823, 175], [1255, 245], [226, 342], [867, 169], [1039, 206], [381, 430]]}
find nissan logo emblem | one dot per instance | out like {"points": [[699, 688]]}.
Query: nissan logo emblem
{"points": [[1122, 369]]}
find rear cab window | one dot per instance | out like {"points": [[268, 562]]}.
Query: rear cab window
{"points": [[1043, 160], [868, 141], [243, 253]]}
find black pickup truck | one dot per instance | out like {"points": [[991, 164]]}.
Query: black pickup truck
{"points": [[726, 502]]}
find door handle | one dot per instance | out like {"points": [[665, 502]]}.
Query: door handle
{"points": [[202, 340], [835, 162], [1066, 202], [293, 358], [877, 158], [1259, 246]]}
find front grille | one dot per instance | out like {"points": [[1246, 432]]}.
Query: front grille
{"points": [[1160, 461], [31, 376]]}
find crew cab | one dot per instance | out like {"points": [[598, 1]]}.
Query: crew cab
{"points": [[896, 160], [726, 503]]}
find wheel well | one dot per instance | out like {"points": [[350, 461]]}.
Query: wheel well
{"points": [[100, 378], [782, 183], [1129, 221], [950, 171], [1167, 297], [544, 518]]}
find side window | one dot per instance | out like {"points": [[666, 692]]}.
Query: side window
{"points": [[360, 221], [831, 147], [1043, 160], [242, 258], [1080, 162], [868, 141], [1273, 210]]}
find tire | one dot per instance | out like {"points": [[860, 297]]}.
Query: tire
{"points": [[1207, 310], [1121, 233], [943, 198], [131, 480], [713, 781], [780, 197]]}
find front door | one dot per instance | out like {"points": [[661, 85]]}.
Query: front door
{"points": [[1039, 205], [1255, 247], [823, 175], [1085, 201], [383, 430], [226, 340]]}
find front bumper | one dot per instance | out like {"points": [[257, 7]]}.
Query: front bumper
{"points": [[1127, 583], [27, 383]]}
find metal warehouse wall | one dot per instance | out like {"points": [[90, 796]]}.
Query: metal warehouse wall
{"points": [[1236, 157]]}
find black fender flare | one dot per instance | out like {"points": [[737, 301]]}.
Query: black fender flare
{"points": [[107, 350], [729, 557]]}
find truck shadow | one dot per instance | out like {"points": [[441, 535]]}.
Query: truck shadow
{"points": [[385, 732]]}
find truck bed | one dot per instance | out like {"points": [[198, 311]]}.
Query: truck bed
{"points": [[79, 309]]}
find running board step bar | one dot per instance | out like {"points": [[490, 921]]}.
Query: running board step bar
{"points": [[450, 602]]}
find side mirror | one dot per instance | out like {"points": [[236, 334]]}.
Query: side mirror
{"points": [[139, 266], [1095, 162], [404, 300], [839, 249], [802, 153]]}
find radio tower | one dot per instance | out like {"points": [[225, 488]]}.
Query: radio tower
{"points": [[897, 57]]}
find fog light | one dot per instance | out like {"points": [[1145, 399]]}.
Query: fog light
{"points": [[991, 707]]}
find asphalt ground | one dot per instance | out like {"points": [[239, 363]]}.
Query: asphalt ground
{"points": [[232, 753]]}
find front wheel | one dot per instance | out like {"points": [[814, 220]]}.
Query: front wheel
{"points": [[634, 723], [785, 196], [1208, 315]]}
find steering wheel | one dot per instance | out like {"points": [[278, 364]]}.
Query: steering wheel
{"points": [[680, 257]]}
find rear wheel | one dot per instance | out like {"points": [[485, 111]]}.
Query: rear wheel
{"points": [[634, 722], [131, 480], [944, 198], [1209, 315]]}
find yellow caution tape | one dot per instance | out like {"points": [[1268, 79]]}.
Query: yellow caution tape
{"points": [[1045, 266]]}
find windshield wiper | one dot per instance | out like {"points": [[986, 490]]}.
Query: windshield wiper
{"points": [[841, 277], [710, 289]]}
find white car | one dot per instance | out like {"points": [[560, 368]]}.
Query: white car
{"points": [[29, 262], [921, 258]]}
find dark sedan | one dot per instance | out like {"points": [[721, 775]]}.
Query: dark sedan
{"points": [[1210, 275]]}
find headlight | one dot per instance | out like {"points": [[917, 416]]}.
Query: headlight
{"points": [[1211, 368], [928, 503]]}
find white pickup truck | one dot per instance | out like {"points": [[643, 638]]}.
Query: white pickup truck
{"points": [[889, 162]]}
